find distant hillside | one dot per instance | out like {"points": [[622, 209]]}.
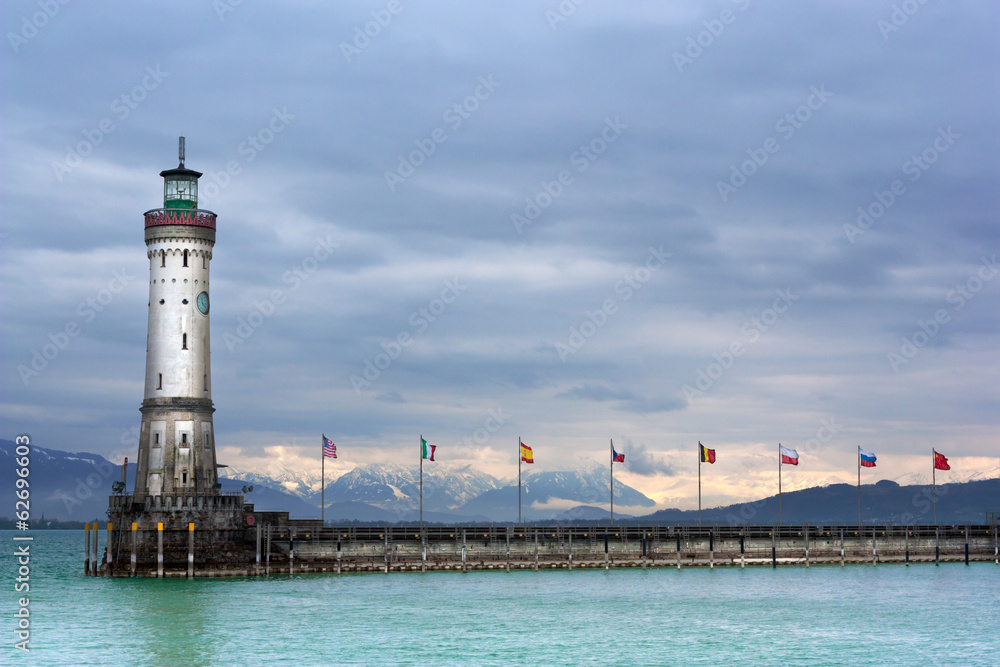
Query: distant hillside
{"points": [[885, 502]]}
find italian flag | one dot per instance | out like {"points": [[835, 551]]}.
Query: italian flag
{"points": [[427, 451]]}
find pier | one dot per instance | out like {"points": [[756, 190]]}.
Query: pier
{"points": [[302, 546]]}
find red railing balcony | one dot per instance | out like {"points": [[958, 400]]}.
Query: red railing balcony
{"points": [[195, 217]]}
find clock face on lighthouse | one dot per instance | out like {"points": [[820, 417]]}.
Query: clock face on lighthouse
{"points": [[203, 303]]}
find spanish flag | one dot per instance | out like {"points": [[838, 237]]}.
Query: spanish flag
{"points": [[707, 455], [526, 454]]}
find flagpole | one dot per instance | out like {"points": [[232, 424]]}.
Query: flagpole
{"points": [[421, 451], [779, 484], [612, 469], [699, 483], [859, 485], [322, 487], [519, 480], [934, 480]]}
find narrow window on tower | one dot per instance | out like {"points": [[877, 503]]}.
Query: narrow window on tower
{"points": [[184, 341], [204, 262], [184, 477], [205, 381], [184, 438], [163, 258], [159, 380], [185, 258], [156, 440]]}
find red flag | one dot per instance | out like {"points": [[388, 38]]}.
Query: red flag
{"points": [[940, 461]]}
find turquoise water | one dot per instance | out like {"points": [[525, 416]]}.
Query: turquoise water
{"points": [[922, 614]]}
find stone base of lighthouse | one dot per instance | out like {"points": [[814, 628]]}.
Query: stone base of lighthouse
{"points": [[178, 535]]}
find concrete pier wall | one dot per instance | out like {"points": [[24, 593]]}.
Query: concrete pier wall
{"points": [[303, 546]]}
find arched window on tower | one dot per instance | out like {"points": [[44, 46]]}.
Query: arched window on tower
{"points": [[163, 258], [184, 341], [185, 258]]}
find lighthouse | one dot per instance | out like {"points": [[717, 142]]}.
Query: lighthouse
{"points": [[176, 439]]}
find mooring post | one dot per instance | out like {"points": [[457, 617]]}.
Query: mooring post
{"points": [[607, 555], [463, 550], [536, 550], [291, 551], [906, 545], [191, 550], [94, 563], [385, 550], [86, 549], [966, 544], [711, 548], [107, 548], [774, 550], [937, 545], [841, 547], [256, 570], [874, 554], [644, 553], [996, 545], [742, 551], [338, 556], [132, 564], [508, 529], [806, 529], [267, 556], [570, 549], [678, 549], [159, 549]]}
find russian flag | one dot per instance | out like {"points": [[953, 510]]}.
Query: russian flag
{"points": [[789, 456], [867, 459]]}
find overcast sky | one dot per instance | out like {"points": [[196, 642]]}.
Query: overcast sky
{"points": [[742, 223]]}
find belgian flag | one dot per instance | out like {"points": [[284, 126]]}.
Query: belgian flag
{"points": [[707, 455]]}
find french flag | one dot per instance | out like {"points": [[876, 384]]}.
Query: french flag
{"points": [[789, 456], [867, 459]]}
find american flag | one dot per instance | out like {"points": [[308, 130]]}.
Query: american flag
{"points": [[329, 449]]}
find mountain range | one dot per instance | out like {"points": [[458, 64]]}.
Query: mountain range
{"points": [[75, 486]]}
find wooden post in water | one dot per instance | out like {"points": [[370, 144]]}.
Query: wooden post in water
{"points": [[906, 545], [966, 544], [135, 526], [159, 550], [774, 550], [996, 546], [937, 545], [463, 550], [711, 549], [191, 550], [678, 549], [291, 551], [607, 556], [86, 550], [806, 528], [107, 548], [536, 550], [742, 551], [267, 556], [570, 550], [338, 556], [93, 556], [256, 570], [508, 547], [841, 547]]}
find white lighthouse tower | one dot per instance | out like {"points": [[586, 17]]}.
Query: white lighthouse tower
{"points": [[176, 441]]}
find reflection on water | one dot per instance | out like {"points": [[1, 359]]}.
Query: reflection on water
{"points": [[763, 616]]}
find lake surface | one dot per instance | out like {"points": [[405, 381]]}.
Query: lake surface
{"points": [[824, 615]]}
